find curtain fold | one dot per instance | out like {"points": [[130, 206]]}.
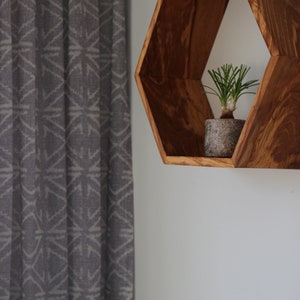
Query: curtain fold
{"points": [[66, 190]]}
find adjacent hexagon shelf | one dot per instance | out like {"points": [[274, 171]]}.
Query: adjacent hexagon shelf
{"points": [[173, 59]]}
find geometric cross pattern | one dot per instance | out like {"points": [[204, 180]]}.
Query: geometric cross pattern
{"points": [[66, 195], [173, 59]]}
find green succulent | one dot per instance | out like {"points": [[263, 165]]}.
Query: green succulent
{"points": [[230, 86]]}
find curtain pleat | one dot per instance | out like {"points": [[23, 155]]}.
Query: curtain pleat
{"points": [[6, 148], [66, 190]]}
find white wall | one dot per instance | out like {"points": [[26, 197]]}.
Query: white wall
{"points": [[209, 233]]}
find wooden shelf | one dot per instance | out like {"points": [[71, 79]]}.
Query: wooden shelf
{"points": [[171, 64]]}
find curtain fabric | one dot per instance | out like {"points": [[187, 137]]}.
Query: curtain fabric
{"points": [[66, 211]]}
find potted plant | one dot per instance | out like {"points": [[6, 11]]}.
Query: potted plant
{"points": [[221, 135]]}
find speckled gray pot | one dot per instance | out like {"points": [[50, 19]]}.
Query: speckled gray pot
{"points": [[221, 136]]}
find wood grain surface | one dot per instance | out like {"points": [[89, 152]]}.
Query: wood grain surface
{"points": [[199, 161], [182, 35], [279, 22], [179, 108], [271, 136]]}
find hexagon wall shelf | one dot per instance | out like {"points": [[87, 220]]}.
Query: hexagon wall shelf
{"points": [[173, 59]]}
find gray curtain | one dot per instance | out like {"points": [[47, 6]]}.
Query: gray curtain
{"points": [[66, 211]]}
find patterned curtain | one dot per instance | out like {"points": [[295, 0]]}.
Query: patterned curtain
{"points": [[66, 211]]}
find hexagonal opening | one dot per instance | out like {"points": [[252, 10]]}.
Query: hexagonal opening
{"points": [[234, 41]]}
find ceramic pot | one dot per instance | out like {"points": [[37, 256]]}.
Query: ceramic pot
{"points": [[221, 136]]}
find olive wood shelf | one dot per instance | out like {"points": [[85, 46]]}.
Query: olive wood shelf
{"points": [[171, 64]]}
